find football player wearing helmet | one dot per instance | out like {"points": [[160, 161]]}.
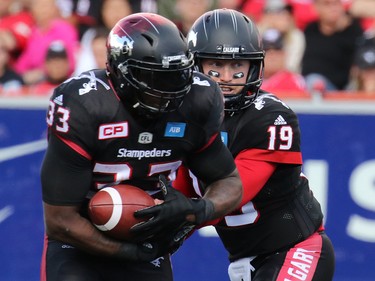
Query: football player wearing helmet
{"points": [[135, 122], [277, 232]]}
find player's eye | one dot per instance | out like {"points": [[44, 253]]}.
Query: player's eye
{"points": [[216, 64], [237, 65]]}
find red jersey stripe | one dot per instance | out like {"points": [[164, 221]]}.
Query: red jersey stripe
{"points": [[301, 260], [76, 148], [283, 157]]}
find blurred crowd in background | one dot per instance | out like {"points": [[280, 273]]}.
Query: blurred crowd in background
{"points": [[310, 45]]}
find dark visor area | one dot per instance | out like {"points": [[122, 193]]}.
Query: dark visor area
{"points": [[163, 80]]}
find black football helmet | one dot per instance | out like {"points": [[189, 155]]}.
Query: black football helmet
{"points": [[228, 34], [148, 62]]}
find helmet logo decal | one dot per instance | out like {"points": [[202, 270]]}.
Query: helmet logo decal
{"points": [[192, 37], [229, 49], [120, 45]]}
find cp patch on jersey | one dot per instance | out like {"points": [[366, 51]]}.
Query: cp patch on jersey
{"points": [[115, 130]]}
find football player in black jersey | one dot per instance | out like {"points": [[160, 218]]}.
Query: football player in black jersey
{"points": [[277, 232], [135, 122]]}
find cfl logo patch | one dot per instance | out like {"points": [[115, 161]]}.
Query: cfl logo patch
{"points": [[145, 138], [116, 130]]}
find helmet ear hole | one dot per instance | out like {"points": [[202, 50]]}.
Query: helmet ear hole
{"points": [[147, 53], [149, 39]]}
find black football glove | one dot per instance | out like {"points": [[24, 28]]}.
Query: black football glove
{"points": [[169, 241], [179, 237], [143, 252], [171, 214], [149, 251]]}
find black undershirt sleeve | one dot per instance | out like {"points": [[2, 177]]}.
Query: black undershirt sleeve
{"points": [[217, 157], [65, 174]]}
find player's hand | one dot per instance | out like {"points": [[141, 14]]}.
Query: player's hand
{"points": [[179, 237], [142, 252], [148, 251], [171, 214], [170, 241]]}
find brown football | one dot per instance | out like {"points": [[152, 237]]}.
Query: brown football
{"points": [[112, 209]]}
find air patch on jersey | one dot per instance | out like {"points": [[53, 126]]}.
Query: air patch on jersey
{"points": [[115, 130], [175, 130], [145, 138], [224, 137]]}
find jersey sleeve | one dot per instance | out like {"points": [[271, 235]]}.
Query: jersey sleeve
{"points": [[187, 183], [65, 175], [73, 114], [215, 115], [68, 119], [190, 186], [72, 118], [213, 163], [204, 109], [271, 133], [254, 174]]}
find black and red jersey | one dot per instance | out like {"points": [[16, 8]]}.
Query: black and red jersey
{"points": [[95, 140], [281, 210]]}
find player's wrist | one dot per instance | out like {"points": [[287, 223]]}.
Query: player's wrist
{"points": [[204, 210]]}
